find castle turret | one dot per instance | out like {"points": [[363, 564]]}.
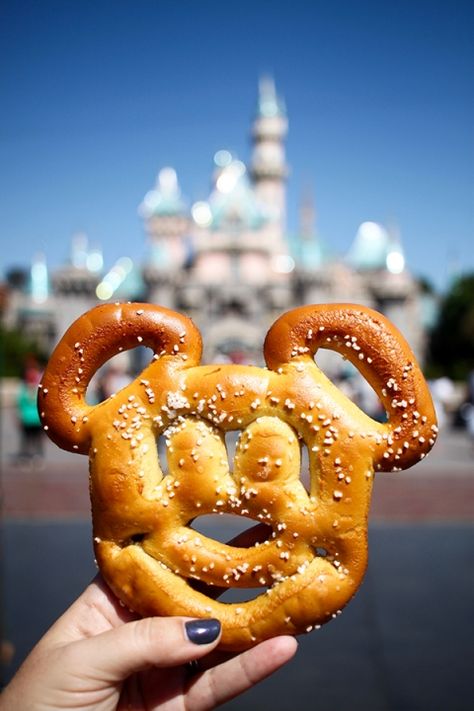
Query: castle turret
{"points": [[75, 282], [167, 223]]}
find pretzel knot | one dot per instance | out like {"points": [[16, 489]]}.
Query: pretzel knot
{"points": [[310, 551]]}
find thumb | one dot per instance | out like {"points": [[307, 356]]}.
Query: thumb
{"points": [[153, 641]]}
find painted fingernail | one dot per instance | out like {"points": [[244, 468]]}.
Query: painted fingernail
{"points": [[202, 631]]}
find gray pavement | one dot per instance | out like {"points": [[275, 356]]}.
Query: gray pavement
{"points": [[403, 644]]}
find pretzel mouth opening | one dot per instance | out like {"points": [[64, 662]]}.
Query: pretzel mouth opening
{"points": [[252, 536], [228, 595], [245, 532]]}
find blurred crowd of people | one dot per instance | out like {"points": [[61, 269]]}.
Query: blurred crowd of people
{"points": [[454, 406], [454, 403]]}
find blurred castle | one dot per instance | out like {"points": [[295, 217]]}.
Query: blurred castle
{"points": [[228, 262]]}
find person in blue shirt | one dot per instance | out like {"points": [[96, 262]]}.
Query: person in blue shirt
{"points": [[31, 433]]}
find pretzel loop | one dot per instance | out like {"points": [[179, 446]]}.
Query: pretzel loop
{"points": [[372, 344], [90, 342]]}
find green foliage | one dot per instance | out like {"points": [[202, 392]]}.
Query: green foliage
{"points": [[425, 285], [451, 350], [15, 349]]}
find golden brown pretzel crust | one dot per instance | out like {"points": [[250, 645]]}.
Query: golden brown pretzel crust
{"points": [[315, 555]]}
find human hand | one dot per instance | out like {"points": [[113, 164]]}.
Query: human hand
{"points": [[99, 656]]}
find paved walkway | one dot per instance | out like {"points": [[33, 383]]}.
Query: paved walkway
{"points": [[403, 644]]}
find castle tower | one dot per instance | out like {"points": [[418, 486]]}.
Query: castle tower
{"points": [[75, 282], [166, 221], [268, 165]]}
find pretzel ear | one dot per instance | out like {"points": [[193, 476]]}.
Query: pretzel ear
{"points": [[90, 342], [381, 354]]}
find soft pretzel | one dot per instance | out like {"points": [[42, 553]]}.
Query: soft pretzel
{"points": [[311, 553]]}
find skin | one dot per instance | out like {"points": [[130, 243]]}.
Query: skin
{"points": [[98, 656]]}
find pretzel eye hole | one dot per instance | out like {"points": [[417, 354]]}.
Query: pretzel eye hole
{"points": [[321, 552], [231, 439], [162, 451], [345, 376], [117, 373]]}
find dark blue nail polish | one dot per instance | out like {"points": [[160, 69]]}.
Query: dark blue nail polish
{"points": [[202, 631]]}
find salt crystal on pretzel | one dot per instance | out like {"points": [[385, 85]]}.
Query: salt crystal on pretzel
{"points": [[313, 554]]}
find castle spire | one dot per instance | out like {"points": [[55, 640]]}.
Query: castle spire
{"points": [[269, 131], [39, 280], [268, 164], [269, 103]]}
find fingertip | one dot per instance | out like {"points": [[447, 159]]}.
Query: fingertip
{"points": [[282, 648], [290, 645]]}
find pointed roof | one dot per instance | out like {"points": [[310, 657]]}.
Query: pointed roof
{"points": [[375, 248], [233, 203], [309, 252], [38, 283], [269, 104], [165, 199], [313, 253], [123, 281]]}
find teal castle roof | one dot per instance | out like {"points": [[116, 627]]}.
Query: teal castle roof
{"points": [[165, 199], [375, 248], [233, 203]]}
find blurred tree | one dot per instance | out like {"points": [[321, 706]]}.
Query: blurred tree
{"points": [[14, 351], [451, 348], [17, 277], [425, 285]]}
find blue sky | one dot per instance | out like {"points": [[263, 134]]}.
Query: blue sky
{"points": [[97, 96]]}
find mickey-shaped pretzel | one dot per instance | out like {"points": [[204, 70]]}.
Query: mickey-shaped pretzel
{"points": [[315, 554]]}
